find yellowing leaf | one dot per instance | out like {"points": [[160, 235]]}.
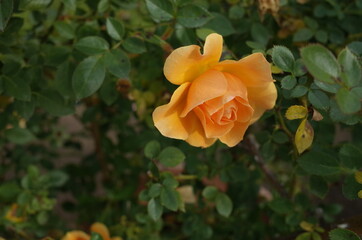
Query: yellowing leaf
{"points": [[360, 194], [275, 69], [296, 112], [306, 226], [304, 136], [358, 176]]}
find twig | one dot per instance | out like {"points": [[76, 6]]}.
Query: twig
{"points": [[253, 147], [98, 149]]}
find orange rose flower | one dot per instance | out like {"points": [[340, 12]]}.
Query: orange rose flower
{"points": [[97, 227], [215, 100]]}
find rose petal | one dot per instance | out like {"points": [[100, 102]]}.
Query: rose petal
{"points": [[167, 117], [245, 111], [101, 229], [235, 135], [209, 85], [212, 129], [262, 99], [76, 235], [253, 70], [168, 121], [197, 137], [235, 88], [186, 63]]}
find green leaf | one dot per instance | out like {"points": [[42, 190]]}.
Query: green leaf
{"points": [[193, 16], [103, 6], [210, 192], [154, 209], [134, 45], [280, 137], [351, 69], [54, 56], [70, 5], [260, 33], [9, 191], [280, 205], [321, 63], [236, 12], [299, 68], [42, 217], [288, 82], [331, 88], [350, 155], [348, 101], [63, 80], [318, 186], [321, 36], [302, 35], [351, 187], [154, 190], [152, 149], [220, 24], [115, 28], [355, 47], [224, 205], [25, 109], [108, 91], [17, 88], [160, 10], [57, 178], [318, 99], [283, 58], [6, 9], [117, 63], [34, 4], [53, 103], [88, 77], [299, 91], [65, 29], [171, 156], [343, 234], [95, 236], [92, 45], [202, 33], [318, 163], [169, 198], [19, 135], [304, 236], [170, 182]]}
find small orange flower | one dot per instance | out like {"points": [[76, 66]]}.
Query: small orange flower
{"points": [[215, 100], [97, 227]]}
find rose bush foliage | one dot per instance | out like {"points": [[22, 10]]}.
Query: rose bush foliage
{"points": [[111, 112]]}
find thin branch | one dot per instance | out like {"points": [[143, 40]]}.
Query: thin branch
{"points": [[253, 147], [99, 151]]}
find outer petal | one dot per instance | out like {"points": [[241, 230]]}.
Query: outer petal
{"points": [[253, 70], [76, 235], [186, 63], [167, 117], [261, 99], [211, 84], [236, 134], [168, 121], [101, 229]]}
